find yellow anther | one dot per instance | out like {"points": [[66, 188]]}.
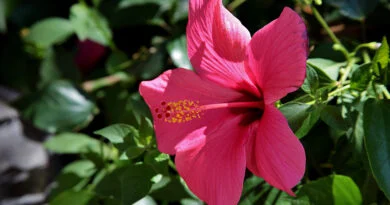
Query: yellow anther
{"points": [[179, 111]]}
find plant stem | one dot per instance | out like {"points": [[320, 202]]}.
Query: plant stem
{"points": [[338, 90], [236, 3], [385, 92], [348, 69], [339, 46], [92, 85], [366, 57], [323, 23]]}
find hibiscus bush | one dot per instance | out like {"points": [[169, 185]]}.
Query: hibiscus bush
{"points": [[203, 101]]}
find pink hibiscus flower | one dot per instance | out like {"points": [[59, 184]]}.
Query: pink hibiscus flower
{"points": [[222, 119]]}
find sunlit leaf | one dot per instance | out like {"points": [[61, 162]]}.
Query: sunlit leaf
{"points": [[73, 143], [147, 200], [82, 168], [117, 132], [331, 190], [331, 68], [381, 61], [90, 24], [50, 31], [177, 49]]}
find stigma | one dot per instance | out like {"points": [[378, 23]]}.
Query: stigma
{"points": [[183, 111]]}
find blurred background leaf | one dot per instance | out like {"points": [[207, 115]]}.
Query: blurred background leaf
{"points": [[354, 9], [50, 31], [59, 106]]}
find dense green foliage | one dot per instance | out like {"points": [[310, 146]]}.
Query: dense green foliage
{"points": [[94, 110]]}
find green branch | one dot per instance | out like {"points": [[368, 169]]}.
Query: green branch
{"points": [[92, 85]]}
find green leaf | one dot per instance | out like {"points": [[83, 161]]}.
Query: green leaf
{"points": [[67, 181], [381, 61], [58, 107], [316, 81], [311, 82], [382, 56], [332, 116], [134, 152], [361, 77], [181, 11], [136, 183], [158, 161], [72, 197], [72, 143], [117, 132], [301, 117], [331, 190], [376, 120], [146, 131], [165, 5], [135, 12], [90, 24], [329, 67], [49, 70], [110, 184], [50, 31], [354, 9], [172, 191], [147, 200], [177, 49], [81, 168], [250, 194], [190, 202], [127, 184]]}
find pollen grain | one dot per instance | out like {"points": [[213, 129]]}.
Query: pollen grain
{"points": [[179, 111]]}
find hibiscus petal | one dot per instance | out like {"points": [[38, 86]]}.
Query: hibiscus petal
{"points": [[214, 166], [217, 44], [277, 56], [274, 152], [181, 89]]}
